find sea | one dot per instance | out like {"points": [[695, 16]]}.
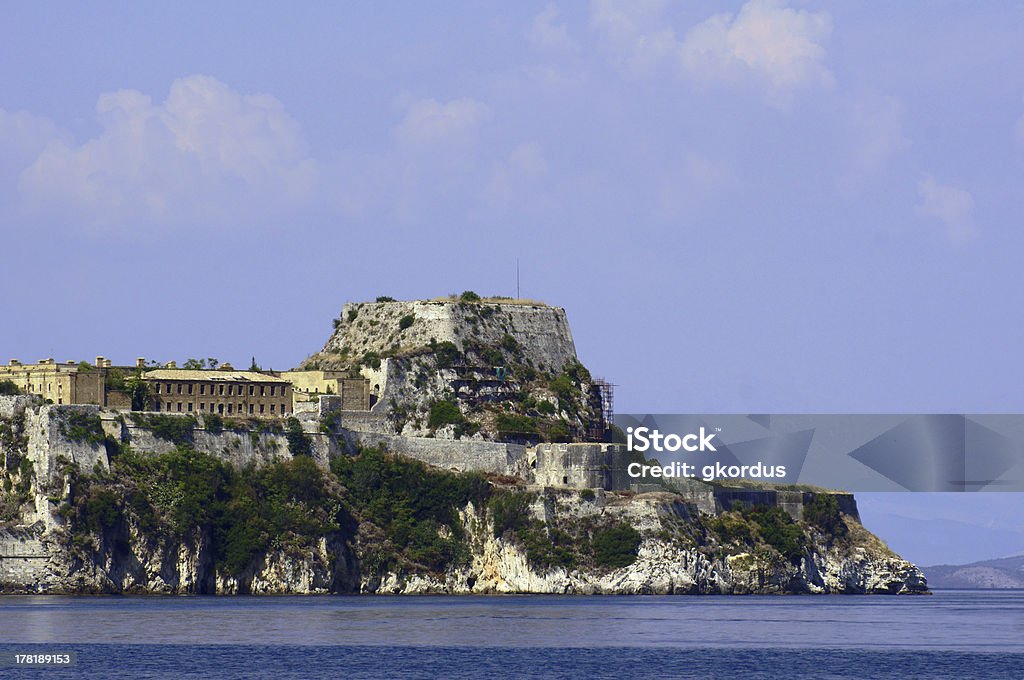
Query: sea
{"points": [[950, 634]]}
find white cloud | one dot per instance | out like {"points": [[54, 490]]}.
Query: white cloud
{"points": [[952, 206], [633, 30], [766, 42], [779, 45], [517, 176], [207, 154], [545, 33], [875, 136], [429, 122]]}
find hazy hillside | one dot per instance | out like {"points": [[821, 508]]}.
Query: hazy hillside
{"points": [[1007, 572]]}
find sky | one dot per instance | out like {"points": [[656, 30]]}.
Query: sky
{"points": [[744, 207]]}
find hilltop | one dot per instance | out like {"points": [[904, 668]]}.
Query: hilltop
{"points": [[494, 369], [1006, 572]]}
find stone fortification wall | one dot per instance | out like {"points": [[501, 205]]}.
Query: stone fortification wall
{"points": [[22, 558], [541, 331], [582, 466], [449, 454]]}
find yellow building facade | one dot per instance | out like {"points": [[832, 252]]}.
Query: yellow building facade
{"points": [[310, 385], [66, 383]]}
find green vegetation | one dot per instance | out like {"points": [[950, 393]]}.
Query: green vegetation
{"points": [[770, 525], [510, 344], [184, 494], [406, 321], [385, 298], [558, 432], [140, 391], [214, 423], [414, 508], [444, 413], [82, 427], [299, 443], [8, 388], [469, 296], [566, 544], [370, 359], [15, 468], [446, 353], [513, 425], [563, 388], [615, 546], [171, 428], [823, 513], [352, 314], [330, 422]]}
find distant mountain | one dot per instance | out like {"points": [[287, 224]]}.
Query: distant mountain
{"points": [[1007, 572]]}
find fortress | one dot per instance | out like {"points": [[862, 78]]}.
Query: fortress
{"points": [[465, 385], [378, 380]]}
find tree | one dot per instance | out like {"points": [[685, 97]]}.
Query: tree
{"points": [[212, 363], [141, 392], [195, 364], [299, 443], [254, 366]]}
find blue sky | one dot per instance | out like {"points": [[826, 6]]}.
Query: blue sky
{"points": [[769, 206]]}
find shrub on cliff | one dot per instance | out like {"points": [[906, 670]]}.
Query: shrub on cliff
{"points": [[444, 413], [214, 423], [823, 513], [77, 426], [174, 429], [446, 353], [511, 425], [415, 507], [778, 530], [469, 296], [8, 388], [299, 443], [406, 321], [183, 494], [615, 546], [510, 511]]}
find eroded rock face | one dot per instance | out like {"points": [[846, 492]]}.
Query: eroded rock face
{"points": [[541, 331], [676, 553], [665, 567]]}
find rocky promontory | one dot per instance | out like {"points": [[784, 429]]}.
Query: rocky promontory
{"points": [[96, 503]]}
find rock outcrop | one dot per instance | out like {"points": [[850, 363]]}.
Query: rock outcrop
{"points": [[125, 532], [542, 332]]}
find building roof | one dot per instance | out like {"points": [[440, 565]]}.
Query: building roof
{"points": [[214, 376]]}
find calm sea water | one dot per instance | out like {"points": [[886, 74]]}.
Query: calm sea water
{"points": [[950, 634]]}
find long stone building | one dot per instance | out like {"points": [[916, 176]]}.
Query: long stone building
{"points": [[224, 392]]}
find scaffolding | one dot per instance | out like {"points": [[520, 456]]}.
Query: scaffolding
{"points": [[604, 400]]}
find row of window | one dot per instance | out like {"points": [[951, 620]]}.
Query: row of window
{"points": [[166, 388], [222, 409]]}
